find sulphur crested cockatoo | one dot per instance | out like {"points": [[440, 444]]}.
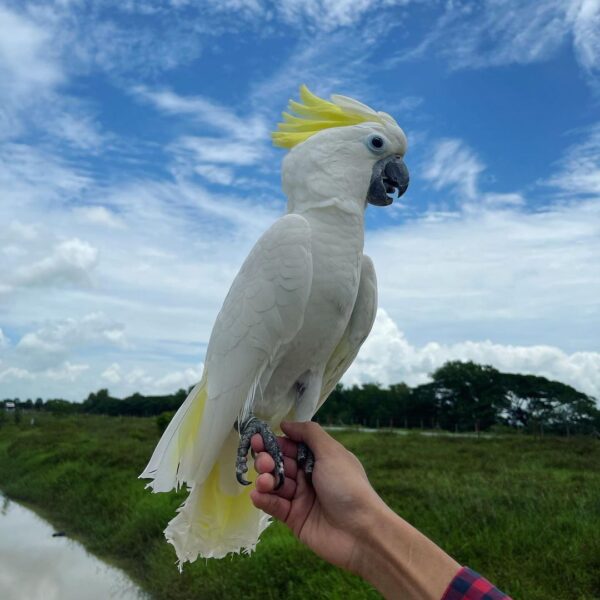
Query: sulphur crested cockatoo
{"points": [[292, 323]]}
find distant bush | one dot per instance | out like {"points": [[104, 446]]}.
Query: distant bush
{"points": [[163, 420], [61, 407]]}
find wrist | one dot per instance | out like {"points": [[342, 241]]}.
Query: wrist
{"points": [[400, 561]]}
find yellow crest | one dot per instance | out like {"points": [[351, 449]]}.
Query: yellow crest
{"points": [[314, 114]]}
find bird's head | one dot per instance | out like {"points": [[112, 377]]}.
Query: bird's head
{"points": [[340, 149]]}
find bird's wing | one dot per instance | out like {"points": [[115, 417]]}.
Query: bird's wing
{"points": [[359, 327], [263, 310]]}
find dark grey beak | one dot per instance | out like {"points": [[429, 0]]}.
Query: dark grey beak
{"points": [[389, 177]]}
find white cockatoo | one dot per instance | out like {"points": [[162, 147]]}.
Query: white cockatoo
{"points": [[292, 323]]}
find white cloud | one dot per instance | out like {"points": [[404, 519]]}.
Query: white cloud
{"points": [[33, 71], [238, 141], [491, 33], [178, 379], [331, 14], [140, 380], [527, 277], [67, 372], [53, 343], [112, 373], [70, 262], [75, 127], [26, 60], [15, 373], [32, 176], [579, 171], [4, 340], [203, 149], [99, 215], [215, 174], [453, 164], [387, 357], [206, 111], [585, 18], [495, 200]]}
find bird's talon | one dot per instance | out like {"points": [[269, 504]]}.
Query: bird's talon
{"points": [[247, 430], [306, 460], [241, 479]]}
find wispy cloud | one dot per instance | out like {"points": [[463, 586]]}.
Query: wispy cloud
{"points": [[29, 68], [27, 63], [489, 33], [34, 71], [453, 164], [208, 112], [579, 170], [332, 14], [584, 16], [233, 140]]}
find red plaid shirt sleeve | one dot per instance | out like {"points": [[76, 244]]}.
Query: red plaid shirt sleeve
{"points": [[468, 585]]}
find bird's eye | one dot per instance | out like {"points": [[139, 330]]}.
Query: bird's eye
{"points": [[375, 143]]}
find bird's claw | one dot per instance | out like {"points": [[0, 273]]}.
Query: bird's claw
{"points": [[247, 430], [306, 460]]}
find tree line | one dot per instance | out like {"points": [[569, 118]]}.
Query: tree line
{"points": [[462, 396]]}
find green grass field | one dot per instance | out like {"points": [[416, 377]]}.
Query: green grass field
{"points": [[523, 511]]}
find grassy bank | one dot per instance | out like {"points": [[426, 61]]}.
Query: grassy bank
{"points": [[523, 511]]}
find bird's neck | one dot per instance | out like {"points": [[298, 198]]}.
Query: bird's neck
{"points": [[344, 208], [336, 219]]}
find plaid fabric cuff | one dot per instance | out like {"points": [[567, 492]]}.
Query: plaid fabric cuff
{"points": [[468, 585]]}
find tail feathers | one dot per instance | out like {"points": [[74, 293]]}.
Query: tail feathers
{"points": [[175, 458], [217, 518]]}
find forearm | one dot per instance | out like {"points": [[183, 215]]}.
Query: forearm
{"points": [[401, 562]]}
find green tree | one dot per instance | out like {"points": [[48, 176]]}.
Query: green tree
{"points": [[537, 404], [467, 395]]}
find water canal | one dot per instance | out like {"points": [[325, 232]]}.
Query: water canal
{"points": [[34, 565]]}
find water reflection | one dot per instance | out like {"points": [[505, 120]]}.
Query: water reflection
{"points": [[36, 566]]}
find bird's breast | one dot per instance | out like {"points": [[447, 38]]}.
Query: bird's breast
{"points": [[337, 246]]}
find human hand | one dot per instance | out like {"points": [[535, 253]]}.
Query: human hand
{"points": [[332, 514]]}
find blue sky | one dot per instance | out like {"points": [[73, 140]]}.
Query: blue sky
{"points": [[136, 172]]}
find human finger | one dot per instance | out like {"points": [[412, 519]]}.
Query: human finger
{"points": [[264, 463], [257, 443], [288, 447], [312, 434], [276, 506], [265, 483]]}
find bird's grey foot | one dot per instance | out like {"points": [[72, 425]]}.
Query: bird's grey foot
{"points": [[306, 460], [247, 430]]}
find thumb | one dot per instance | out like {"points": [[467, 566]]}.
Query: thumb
{"points": [[312, 434]]}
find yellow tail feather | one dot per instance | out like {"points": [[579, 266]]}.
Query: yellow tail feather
{"points": [[218, 516]]}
